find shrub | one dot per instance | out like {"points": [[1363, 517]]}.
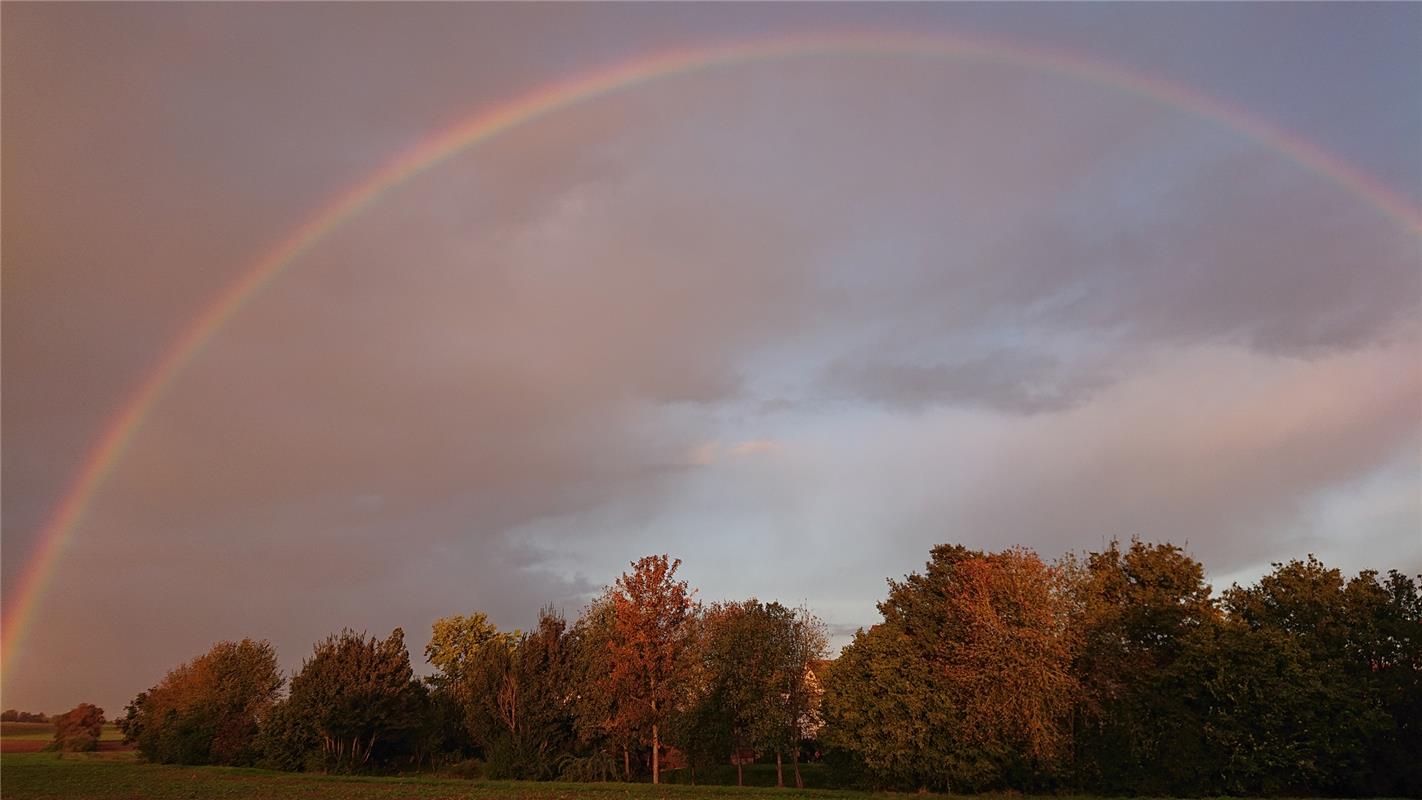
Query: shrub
{"points": [[206, 711], [77, 730]]}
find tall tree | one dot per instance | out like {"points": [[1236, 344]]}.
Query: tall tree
{"points": [[652, 625], [739, 665], [1133, 611], [1346, 634], [517, 702], [798, 641], [598, 720], [967, 680]]}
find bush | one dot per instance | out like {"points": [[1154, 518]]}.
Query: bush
{"points": [[469, 768], [287, 741], [596, 767], [77, 730], [507, 759], [207, 710]]}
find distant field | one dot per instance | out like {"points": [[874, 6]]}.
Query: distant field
{"points": [[119, 776], [28, 737]]}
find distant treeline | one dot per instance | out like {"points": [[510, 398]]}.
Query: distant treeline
{"points": [[1114, 672], [11, 715]]}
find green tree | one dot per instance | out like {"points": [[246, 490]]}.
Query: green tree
{"points": [[455, 640], [288, 740], [1362, 647], [518, 708], [799, 640], [738, 663], [1245, 711], [357, 692], [1388, 617], [1132, 612]]}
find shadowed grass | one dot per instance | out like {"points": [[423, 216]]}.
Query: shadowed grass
{"points": [[119, 776]]}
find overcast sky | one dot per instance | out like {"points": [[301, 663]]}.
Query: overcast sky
{"points": [[794, 322]]}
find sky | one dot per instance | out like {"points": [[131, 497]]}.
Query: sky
{"points": [[793, 321]]}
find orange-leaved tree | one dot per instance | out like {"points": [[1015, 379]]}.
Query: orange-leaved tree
{"points": [[653, 623], [1010, 666]]}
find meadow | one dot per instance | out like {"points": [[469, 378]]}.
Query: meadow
{"points": [[44, 732], [121, 776]]}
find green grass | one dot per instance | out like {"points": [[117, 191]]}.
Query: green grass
{"points": [[119, 776], [44, 732], [816, 776]]}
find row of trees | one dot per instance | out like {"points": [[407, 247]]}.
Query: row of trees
{"points": [[1115, 672], [1121, 674], [645, 672], [14, 715]]}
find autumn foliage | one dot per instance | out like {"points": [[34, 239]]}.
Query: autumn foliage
{"points": [[207, 711], [1115, 672], [649, 647], [77, 730]]}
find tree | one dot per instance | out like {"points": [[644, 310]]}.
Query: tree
{"points": [[207, 711], [77, 730], [517, 705], [740, 678], [288, 740], [1133, 610], [1245, 711], [1360, 638], [798, 641], [598, 721], [652, 624], [967, 682], [357, 692], [454, 641]]}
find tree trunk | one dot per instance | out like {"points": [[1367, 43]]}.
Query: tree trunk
{"points": [[795, 759], [369, 748], [656, 756], [740, 771], [779, 770], [626, 764]]}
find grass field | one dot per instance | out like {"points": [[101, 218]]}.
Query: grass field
{"points": [[44, 731], [120, 776]]}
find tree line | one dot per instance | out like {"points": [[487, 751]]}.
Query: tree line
{"points": [[1115, 672]]}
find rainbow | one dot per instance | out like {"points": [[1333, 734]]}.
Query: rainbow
{"points": [[484, 125]]}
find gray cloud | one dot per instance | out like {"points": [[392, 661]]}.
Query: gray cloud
{"points": [[760, 316], [1020, 382]]}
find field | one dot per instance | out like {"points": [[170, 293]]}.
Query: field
{"points": [[119, 776], [30, 737]]}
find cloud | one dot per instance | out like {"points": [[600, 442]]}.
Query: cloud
{"points": [[1019, 382], [777, 319]]}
